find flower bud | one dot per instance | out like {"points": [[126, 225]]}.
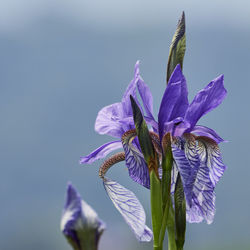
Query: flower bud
{"points": [[80, 223]]}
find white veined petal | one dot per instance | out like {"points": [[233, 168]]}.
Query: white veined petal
{"points": [[183, 166], [130, 208], [210, 155], [137, 167]]}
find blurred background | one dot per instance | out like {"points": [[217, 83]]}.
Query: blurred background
{"points": [[62, 61]]}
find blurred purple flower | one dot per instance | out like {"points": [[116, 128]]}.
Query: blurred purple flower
{"points": [[80, 223]]}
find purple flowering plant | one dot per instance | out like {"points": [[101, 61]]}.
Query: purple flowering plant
{"points": [[178, 160]]}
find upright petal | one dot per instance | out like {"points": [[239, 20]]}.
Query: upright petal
{"points": [[130, 208], [131, 90], [206, 100], [210, 155], [208, 132], [203, 196], [101, 152], [174, 102], [137, 167], [108, 120], [146, 97]]}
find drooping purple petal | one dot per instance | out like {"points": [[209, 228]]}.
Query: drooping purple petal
{"points": [[210, 155], [108, 120], [147, 235], [202, 204], [130, 208], [101, 152], [137, 167], [203, 200], [187, 172], [191, 154], [195, 178], [206, 100], [174, 102], [194, 214], [208, 132]]}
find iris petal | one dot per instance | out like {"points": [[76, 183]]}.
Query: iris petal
{"points": [[192, 164], [203, 199], [210, 155], [194, 214], [108, 120], [203, 196], [184, 167], [206, 100], [205, 131], [174, 102], [146, 97], [114, 119], [137, 167], [130, 208], [101, 152], [131, 90]]}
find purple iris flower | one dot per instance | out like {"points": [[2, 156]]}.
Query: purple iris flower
{"points": [[115, 120], [195, 148], [80, 223]]}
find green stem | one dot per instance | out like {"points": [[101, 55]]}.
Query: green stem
{"points": [[157, 247], [164, 223], [180, 213], [167, 162], [156, 207], [171, 228]]}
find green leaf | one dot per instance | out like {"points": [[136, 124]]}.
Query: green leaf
{"points": [[143, 134], [180, 213], [177, 47], [151, 158]]}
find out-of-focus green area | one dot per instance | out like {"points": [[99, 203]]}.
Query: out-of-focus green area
{"points": [[61, 63]]}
